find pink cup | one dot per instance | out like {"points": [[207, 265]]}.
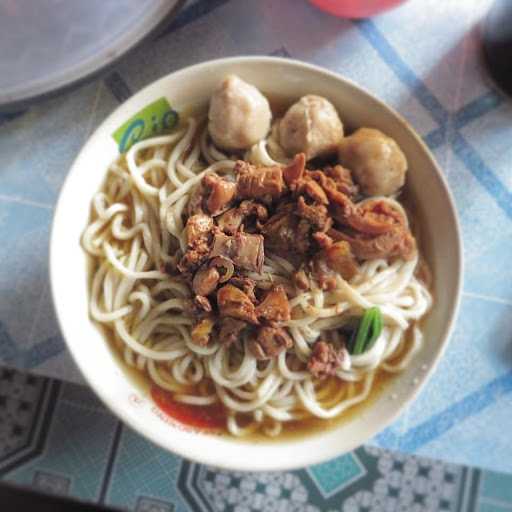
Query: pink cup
{"points": [[355, 8]]}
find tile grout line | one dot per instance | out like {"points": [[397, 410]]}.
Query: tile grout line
{"points": [[448, 127], [466, 489], [475, 489], [470, 405], [486, 298], [401, 69], [27, 202], [496, 502], [42, 301], [45, 415], [85, 407], [110, 462], [93, 112], [460, 491], [478, 492], [482, 172], [481, 106], [50, 347]]}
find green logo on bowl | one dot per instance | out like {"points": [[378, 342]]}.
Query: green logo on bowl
{"points": [[158, 117]]}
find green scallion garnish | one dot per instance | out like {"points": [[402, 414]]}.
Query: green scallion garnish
{"points": [[368, 331]]}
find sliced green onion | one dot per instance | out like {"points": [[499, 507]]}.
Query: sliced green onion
{"points": [[370, 328], [376, 329], [362, 332]]}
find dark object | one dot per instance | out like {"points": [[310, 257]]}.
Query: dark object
{"points": [[497, 43], [57, 45], [20, 498]]}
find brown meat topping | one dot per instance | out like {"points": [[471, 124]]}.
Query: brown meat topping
{"points": [[263, 183], [323, 274], [315, 214], [234, 303], [198, 228], [344, 210], [343, 180], [395, 243], [378, 217], [294, 172], [269, 342], [202, 330], [303, 237], [245, 250], [337, 184], [336, 258], [245, 284], [275, 306], [312, 189], [287, 234], [205, 280], [339, 258], [323, 240], [232, 221], [373, 217], [249, 207], [279, 232], [202, 304], [301, 280], [224, 266], [309, 217], [230, 330], [339, 201], [324, 360], [221, 193], [193, 258], [380, 231], [195, 203]]}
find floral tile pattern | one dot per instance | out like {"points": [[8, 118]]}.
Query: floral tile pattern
{"points": [[58, 438]]}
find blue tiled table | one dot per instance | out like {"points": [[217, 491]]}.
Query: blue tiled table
{"points": [[424, 60]]}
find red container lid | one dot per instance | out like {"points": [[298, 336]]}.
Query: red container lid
{"points": [[355, 8]]}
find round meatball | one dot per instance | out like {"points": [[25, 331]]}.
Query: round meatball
{"points": [[239, 115], [311, 126], [376, 161]]}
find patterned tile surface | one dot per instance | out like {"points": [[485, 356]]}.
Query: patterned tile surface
{"points": [[57, 437], [424, 59]]}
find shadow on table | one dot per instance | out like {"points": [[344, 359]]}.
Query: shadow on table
{"points": [[23, 498]]}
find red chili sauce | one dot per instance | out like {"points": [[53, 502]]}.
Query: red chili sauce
{"points": [[207, 417]]}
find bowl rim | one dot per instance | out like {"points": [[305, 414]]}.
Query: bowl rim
{"points": [[208, 457]]}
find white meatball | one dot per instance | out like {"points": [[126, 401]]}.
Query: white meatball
{"points": [[376, 161], [239, 115], [311, 126]]}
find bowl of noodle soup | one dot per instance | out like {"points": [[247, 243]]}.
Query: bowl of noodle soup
{"points": [[354, 345]]}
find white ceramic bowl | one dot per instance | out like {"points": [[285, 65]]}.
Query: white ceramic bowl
{"points": [[432, 202]]}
